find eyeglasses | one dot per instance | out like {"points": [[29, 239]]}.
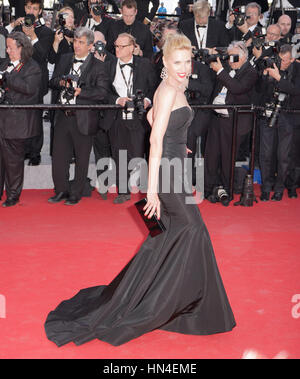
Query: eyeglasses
{"points": [[122, 46]]}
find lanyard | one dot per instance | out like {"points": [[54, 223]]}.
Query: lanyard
{"points": [[129, 84], [201, 40]]}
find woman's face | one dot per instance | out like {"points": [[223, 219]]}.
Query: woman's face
{"points": [[69, 17], [178, 64]]}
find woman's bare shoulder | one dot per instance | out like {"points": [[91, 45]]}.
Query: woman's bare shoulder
{"points": [[164, 95]]}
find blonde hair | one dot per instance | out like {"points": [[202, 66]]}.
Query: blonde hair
{"points": [[62, 10], [132, 40], [201, 8], [176, 41]]}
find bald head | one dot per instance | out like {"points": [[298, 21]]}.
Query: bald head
{"points": [[285, 24], [273, 33], [99, 37]]}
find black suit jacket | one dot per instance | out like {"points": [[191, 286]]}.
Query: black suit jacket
{"points": [[144, 78], [140, 31], [103, 27], [143, 9], [217, 34], [23, 87], [94, 89], [240, 91], [288, 84]]}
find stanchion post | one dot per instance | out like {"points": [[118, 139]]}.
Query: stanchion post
{"points": [[252, 162], [233, 149]]}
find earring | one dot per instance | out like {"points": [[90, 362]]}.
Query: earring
{"points": [[164, 73]]}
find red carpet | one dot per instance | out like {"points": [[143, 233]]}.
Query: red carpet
{"points": [[49, 252]]}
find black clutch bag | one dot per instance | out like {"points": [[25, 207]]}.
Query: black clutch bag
{"points": [[154, 225]]}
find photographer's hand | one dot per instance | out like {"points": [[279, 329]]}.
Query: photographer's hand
{"points": [[257, 52], [274, 72], [231, 19], [57, 40], [122, 101], [64, 83], [243, 28], [147, 103], [17, 22], [216, 66], [77, 91], [101, 57], [137, 50]]}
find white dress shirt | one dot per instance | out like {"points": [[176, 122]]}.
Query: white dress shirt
{"points": [[120, 85], [201, 35]]}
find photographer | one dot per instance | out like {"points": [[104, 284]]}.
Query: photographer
{"points": [[222, 6], [279, 85], [131, 77], [98, 18], [20, 84], [129, 24], [41, 37], [160, 34], [80, 79], [202, 30], [234, 85], [101, 143], [63, 39], [199, 91], [242, 25], [265, 46], [285, 24]]}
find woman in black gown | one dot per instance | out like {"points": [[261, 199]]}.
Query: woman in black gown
{"points": [[173, 282]]}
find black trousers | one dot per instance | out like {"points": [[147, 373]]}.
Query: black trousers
{"points": [[217, 158], [128, 136], [12, 152], [33, 145], [269, 150], [66, 140], [198, 128], [101, 147], [292, 179]]}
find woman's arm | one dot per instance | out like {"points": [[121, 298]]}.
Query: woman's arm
{"points": [[163, 104]]}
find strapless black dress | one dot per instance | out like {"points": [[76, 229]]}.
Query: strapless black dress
{"points": [[172, 283]]}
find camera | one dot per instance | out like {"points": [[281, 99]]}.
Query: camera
{"points": [[258, 38], [62, 22], [68, 91], [100, 47], [239, 15], [99, 8], [269, 62], [135, 104], [272, 109], [203, 55], [29, 20]]}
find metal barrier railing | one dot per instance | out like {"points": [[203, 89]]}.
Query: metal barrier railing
{"points": [[236, 110]]}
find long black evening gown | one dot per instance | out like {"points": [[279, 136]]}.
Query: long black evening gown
{"points": [[172, 283]]}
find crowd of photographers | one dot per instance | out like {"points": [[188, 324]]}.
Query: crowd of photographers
{"points": [[100, 59]]}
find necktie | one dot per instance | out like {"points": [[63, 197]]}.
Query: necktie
{"points": [[128, 29], [78, 60], [126, 64], [201, 26]]}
